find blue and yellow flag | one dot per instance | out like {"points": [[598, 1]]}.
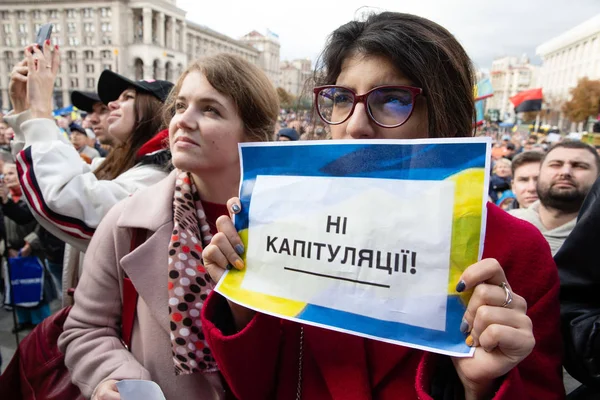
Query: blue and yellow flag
{"points": [[364, 237]]}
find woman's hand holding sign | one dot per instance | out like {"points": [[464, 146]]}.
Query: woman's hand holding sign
{"points": [[224, 252], [495, 320], [498, 327]]}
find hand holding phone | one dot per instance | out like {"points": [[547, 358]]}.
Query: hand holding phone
{"points": [[43, 34], [43, 62]]}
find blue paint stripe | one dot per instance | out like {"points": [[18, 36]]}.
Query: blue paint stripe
{"points": [[449, 340]]}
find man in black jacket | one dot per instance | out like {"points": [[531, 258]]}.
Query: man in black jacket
{"points": [[579, 270]]}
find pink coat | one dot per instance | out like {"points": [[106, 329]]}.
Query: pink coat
{"points": [[91, 339]]}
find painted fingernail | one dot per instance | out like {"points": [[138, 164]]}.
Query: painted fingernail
{"points": [[229, 266], [235, 208], [47, 42], [239, 264], [469, 341], [239, 248], [460, 287], [464, 326], [56, 46]]}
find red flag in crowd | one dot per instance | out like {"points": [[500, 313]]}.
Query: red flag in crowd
{"points": [[527, 100]]}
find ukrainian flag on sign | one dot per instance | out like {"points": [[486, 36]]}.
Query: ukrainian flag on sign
{"points": [[298, 170]]}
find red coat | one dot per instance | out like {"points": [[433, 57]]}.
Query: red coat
{"points": [[261, 361]]}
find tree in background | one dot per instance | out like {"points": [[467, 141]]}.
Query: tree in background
{"points": [[584, 101]]}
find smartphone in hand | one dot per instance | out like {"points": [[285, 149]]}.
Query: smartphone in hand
{"points": [[43, 34]]}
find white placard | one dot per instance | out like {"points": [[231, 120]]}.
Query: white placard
{"points": [[408, 222]]}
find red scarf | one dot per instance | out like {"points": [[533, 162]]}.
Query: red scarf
{"points": [[16, 193]]}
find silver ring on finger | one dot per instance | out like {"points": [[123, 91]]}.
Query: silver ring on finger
{"points": [[509, 297]]}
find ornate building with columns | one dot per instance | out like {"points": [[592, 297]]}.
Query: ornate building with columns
{"points": [[148, 39]]}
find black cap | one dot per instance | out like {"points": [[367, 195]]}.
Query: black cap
{"points": [[77, 128], [111, 85], [85, 100], [289, 133]]}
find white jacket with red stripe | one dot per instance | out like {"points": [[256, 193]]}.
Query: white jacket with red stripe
{"points": [[61, 189]]}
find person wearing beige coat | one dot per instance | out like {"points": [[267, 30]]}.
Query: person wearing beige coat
{"points": [[217, 103], [91, 339]]}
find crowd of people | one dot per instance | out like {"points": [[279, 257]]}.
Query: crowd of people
{"points": [[142, 188]]}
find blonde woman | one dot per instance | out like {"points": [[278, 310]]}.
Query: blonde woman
{"points": [[217, 103]]}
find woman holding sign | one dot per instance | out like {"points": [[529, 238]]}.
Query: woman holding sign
{"points": [[399, 76], [217, 103]]}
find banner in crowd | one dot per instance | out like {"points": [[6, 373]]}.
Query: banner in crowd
{"points": [[483, 90], [479, 112], [528, 100], [363, 237]]}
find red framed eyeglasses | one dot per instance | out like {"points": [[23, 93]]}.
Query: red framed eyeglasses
{"points": [[387, 106]]}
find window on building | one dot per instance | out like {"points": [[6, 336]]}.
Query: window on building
{"points": [[138, 35], [55, 40], [177, 37], [106, 11], [23, 41], [57, 97], [8, 41], [23, 28], [105, 54], [90, 41], [70, 13], [8, 56], [107, 66], [73, 41], [58, 83], [88, 55], [106, 27], [88, 12], [74, 83], [3, 14], [53, 14], [106, 40], [55, 28], [88, 27], [21, 14], [71, 27], [73, 68], [36, 14], [7, 28], [71, 55], [89, 68], [89, 83]]}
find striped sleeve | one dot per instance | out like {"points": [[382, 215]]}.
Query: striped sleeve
{"points": [[31, 189]]}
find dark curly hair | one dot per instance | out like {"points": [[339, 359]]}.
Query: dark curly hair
{"points": [[423, 51]]}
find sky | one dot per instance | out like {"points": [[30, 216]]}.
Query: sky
{"points": [[487, 28]]}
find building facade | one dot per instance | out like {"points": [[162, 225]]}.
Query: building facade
{"points": [[510, 75], [566, 59], [268, 48], [139, 39], [294, 76]]}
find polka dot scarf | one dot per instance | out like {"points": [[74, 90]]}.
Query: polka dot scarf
{"points": [[189, 283]]}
